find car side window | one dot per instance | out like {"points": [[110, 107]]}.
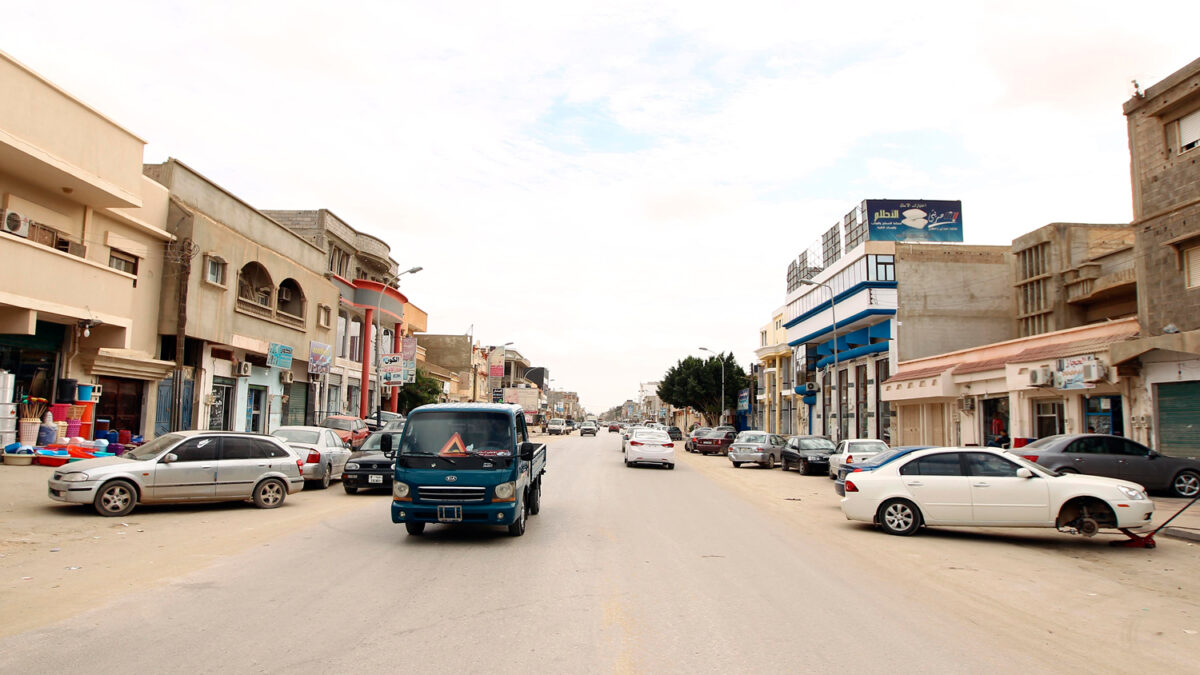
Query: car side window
{"points": [[985, 464], [1082, 446], [522, 433], [333, 440], [263, 449], [944, 464], [233, 447], [197, 450]]}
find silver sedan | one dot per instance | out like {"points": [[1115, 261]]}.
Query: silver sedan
{"points": [[324, 453]]}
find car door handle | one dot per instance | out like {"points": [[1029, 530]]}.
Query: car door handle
{"points": [[981, 485], [1078, 459], [915, 483], [206, 467]]}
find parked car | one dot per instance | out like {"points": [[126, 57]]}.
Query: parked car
{"points": [[613, 426], [396, 424], [715, 442], [758, 447], [628, 433], [872, 463], [374, 465], [184, 466], [350, 429], [1116, 457], [588, 429], [675, 433], [650, 446], [323, 451], [557, 426], [808, 454], [854, 450], [690, 443], [989, 487], [373, 421]]}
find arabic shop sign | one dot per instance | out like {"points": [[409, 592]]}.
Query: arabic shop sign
{"points": [[279, 356], [914, 220]]}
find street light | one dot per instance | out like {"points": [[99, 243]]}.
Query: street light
{"points": [[833, 317], [721, 415], [379, 345]]}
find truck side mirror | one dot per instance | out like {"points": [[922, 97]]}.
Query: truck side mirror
{"points": [[526, 451], [385, 443]]}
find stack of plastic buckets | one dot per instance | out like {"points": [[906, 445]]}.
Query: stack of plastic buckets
{"points": [[8, 409]]}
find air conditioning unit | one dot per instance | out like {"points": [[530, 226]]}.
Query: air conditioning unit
{"points": [[286, 377], [1041, 377], [15, 223], [1093, 372], [966, 404], [811, 387], [285, 294], [244, 369]]}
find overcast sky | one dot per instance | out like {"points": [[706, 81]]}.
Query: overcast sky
{"points": [[611, 185]]}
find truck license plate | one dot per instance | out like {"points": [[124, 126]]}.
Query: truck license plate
{"points": [[376, 478], [449, 514]]}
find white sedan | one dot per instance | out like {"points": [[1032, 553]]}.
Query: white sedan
{"points": [[325, 454], [853, 450], [989, 487], [650, 446]]}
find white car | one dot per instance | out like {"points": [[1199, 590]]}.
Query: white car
{"points": [[854, 450], [989, 487], [324, 453], [650, 446], [557, 426]]}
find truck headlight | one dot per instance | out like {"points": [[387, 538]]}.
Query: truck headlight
{"points": [[504, 492], [1128, 491], [351, 465], [76, 477], [400, 491]]}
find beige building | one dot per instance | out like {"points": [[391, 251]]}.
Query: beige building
{"points": [[83, 238], [774, 411]]}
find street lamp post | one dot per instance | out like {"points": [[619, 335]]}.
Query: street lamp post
{"points": [[833, 317], [379, 346], [720, 415]]}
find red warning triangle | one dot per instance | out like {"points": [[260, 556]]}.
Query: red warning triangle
{"points": [[454, 447]]}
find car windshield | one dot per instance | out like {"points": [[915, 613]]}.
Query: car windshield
{"points": [[151, 449], [652, 435], [866, 446], [337, 423], [714, 434], [751, 438], [1044, 442], [375, 440], [816, 444], [701, 431], [396, 424], [457, 433], [297, 435]]}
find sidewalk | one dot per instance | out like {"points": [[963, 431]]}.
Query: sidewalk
{"points": [[1186, 526]]}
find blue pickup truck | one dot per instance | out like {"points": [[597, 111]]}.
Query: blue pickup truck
{"points": [[467, 463]]}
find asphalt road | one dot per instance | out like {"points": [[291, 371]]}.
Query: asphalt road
{"points": [[625, 570]]}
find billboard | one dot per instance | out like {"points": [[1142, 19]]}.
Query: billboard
{"points": [[744, 400], [914, 220], [320, 356], [279, 355]]}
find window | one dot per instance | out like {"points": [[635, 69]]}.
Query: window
{"points": [[762, 338], [945, 464], [985, 464], [883, 268], [197, 450], [214, 270], [125, 262], [843, 383], [1192, 267], [324, 315], [255, 285], [1189, 132], [233, 447]]}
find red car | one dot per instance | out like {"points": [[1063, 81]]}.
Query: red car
{"points": [[615, 426], [350, 429], [715, 442]]}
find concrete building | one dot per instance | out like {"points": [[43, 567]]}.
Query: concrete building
{"points": [[1164, 145], [460, 357], [900, 288], [1073, 274], [247, 308], [82, 237], [774, 410]]}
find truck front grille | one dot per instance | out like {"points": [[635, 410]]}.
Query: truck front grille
{"points": [[450, 493]]}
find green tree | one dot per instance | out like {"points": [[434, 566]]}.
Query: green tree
{"points": [[425, 390], [696, 382]]}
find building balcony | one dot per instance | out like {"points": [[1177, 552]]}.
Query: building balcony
{"points": [[1091, 289]]}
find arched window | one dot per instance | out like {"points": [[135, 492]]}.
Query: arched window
{"points": [[291, 298], [255, 285]]}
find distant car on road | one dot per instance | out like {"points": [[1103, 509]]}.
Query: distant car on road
{"points": [[385, 416], [690, 443], [854, 450], [613, 426], [324, 452], [650, 446], [350, 429], [374, 465], [989, 487], [808, 454], [557, 426], [184, 466], [1116, 457], [675, 433], [588, 429], [715, 442], [756, 447]]}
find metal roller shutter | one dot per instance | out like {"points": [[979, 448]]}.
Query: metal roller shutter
{"points": [[1178, 418], [297, 403]]}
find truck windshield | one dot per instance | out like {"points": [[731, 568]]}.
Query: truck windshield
{"points": [[458, 434]]}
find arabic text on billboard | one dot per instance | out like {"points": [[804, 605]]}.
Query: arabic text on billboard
{"points": [[279, 356], [744, 399], [320, 356], [914, 220]]}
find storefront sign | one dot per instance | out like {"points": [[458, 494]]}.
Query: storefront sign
{"points": [[744, 399], [320, 356], [1070, 371], [923, 220], [279, 356], [408, 348], [497, 396]]}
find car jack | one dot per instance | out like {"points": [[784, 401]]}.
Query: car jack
{"points": [[1147, 540]]}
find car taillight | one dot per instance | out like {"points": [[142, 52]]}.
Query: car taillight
{"points": [[856, 471], [300, 465], [314, 457], [668, 445], [635, 442], [1032, 458], [849, 459], [851, 487]]}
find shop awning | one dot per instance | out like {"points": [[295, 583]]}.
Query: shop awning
{"points": [[128, 363]]}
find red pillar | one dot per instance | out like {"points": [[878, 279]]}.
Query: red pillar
{"points": [[365, 390], [394, 401]]}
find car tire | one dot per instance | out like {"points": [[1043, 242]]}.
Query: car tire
{"points": [[670, 467], [517, 528], [736, 465], [270, 494], [1067, 469], [350, 489], [535, 498], [1186, 484], [415, 529], [899, 517], [327, 478], [115, 498], [628, 463]]}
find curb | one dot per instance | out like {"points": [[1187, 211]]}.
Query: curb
{"points": [[1185, 534]]}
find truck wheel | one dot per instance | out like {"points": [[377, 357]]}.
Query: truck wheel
{"points": [[518, 527], [414, 529], [535, 498]]}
